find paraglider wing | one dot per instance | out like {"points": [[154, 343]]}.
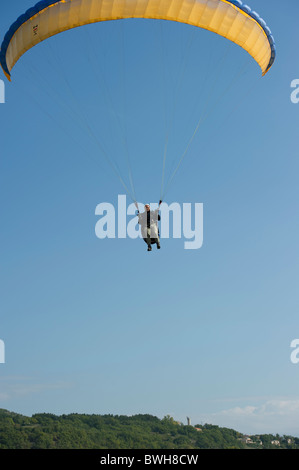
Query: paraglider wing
{"points": [[228, 18]]}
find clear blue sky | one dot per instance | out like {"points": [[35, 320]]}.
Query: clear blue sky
{"points": [[102, 326]]}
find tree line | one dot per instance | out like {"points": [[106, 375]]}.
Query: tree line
{"points": [[143, 431]]}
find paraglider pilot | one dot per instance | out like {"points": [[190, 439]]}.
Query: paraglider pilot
{"points": [[149, 226]]}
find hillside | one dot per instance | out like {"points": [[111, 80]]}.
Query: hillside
{"points": [[82, 431]]}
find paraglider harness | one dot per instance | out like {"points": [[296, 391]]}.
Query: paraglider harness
{"points": [[148, 224]]}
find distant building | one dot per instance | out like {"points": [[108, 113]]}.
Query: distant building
{"points": [[275, 443], [188, 421], [247, 440]]}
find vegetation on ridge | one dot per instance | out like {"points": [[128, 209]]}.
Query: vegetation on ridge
{"points": [[83, 431]]}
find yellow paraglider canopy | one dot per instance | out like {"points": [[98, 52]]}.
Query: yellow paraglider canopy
{"points": [[228, 18]]}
